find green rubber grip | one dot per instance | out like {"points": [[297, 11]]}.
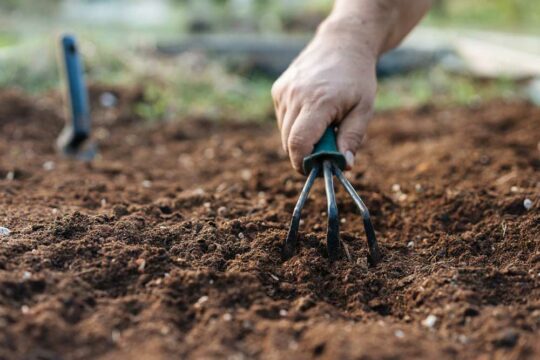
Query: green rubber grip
{"points": [[325, 149]]}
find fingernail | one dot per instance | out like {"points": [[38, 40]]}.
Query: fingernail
{"points": [[349, 157]]}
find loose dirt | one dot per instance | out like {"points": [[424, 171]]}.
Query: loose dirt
{"points": [[168, 245]]}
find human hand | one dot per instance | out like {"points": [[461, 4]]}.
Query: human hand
{"points": [[333, 81]]}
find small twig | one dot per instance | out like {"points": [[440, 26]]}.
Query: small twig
{"points": [[346, 248]]}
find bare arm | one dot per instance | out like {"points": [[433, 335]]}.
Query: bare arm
{"points": [[333, 80]]}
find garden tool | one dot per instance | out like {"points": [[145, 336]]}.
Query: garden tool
{"points": [[74, 138], [327, 161]]}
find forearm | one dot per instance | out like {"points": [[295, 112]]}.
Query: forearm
{"points": [[377, 25]]}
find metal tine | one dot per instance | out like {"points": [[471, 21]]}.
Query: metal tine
{"points": [[332, 232], [289, 247], [374, 253]]}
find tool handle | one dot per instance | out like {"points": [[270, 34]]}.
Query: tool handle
{"points": [[325, 149], [77, 93]]}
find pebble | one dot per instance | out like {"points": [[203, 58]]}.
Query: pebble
{"points": [[418, 188], [430, 321], [26, 275], [49, 165], [108, 100], [410, 244], [222, 211], [396, 188], [10, 176], [147, 184], [25, 309], [227, 317], [241, 235], [141, 264], [399, 334], [4, 231], [245, 174], [283, 312], [527, 204], [202, 300]]}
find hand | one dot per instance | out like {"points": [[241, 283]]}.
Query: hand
{"points": [[333, 81]]}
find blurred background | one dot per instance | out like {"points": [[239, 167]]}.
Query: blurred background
{"points": [[218, 58]]}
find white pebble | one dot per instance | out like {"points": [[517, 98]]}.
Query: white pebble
{"points": [[108, 100], [399, 334], [227, 317], [514, 189], [245, 174], [396, 188], [25, 309], [147, 184], [430, 321], [283, 312], [26, 275], [202, 300], [528, 204], [410, 244], [4, 231], [241, 235], [418, 188], [222, 211], [10, 176], [49, 165]]}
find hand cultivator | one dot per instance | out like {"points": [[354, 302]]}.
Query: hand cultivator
{"points": [[327, 161], [72, 142]]}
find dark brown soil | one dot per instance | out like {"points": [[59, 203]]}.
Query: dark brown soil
{"points": [[168, 245]]}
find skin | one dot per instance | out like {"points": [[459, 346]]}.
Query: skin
{"points": [[333, 80]]}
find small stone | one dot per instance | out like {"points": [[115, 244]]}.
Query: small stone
{"points": [[343, 220], [141, 263], [227, 317], [115, 336], [527, 204], [283, 312], [147, 184], [241, 236], [103, 202], [10, 175], [49, 165], [25, 309], [430, 321], [201, 301], [514, 189], [396, 188], [26, 275], [207, 205], [108, 99], [399, 334], [222, 211], [245, 174], [410, 244], [4, 231], [418, 188]]}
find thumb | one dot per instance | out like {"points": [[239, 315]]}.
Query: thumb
{"points": [[351, 132]]}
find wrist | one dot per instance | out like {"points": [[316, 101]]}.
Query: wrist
{"points": [[362, 27]]}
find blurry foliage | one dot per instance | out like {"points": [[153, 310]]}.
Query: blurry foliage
{"points": [[204, 87], [35, 6]]}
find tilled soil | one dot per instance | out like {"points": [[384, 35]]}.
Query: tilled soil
{"points": [[168, 245]]}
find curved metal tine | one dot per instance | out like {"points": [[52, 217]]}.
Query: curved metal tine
{"points": [[289, 247], [332, 232], [374, 252]]}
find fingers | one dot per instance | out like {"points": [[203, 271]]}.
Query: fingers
{"points": [[305, 132], [352, 130], [287, 123]]}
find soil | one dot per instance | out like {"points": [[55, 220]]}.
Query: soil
{"points": [[168, 244]]}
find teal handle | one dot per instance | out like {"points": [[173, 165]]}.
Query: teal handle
{"points": [[325, 149]]}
